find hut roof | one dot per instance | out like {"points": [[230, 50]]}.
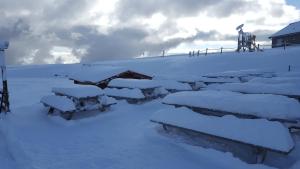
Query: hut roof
{"points": [[288, 30]]}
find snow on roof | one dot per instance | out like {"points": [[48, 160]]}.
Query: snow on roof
{"points": [[134, 83], [59, 102], [261, 105], [260, 132], [96, 74], [126, 93], [288, 89], [290, 29], [79, 91]]}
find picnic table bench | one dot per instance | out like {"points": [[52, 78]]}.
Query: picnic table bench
{"points": [[259, 134], [220, 103]]}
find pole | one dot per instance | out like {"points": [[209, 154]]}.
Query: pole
{"points": [[5, 98]]}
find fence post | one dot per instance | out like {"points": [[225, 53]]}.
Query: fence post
{"points": [[193, 53], [190, 53], [289, 68], [221, 50], [206, 51], [198, 53], [258, 47]]}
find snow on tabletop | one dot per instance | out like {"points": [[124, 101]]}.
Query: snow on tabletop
{"points": [[79, 91], [259, 88], [276, 80], [218, 80], [261, 105], [59, 102], [106, 100], [174, 85], [127, 93], [260, 132], [134, 83], [242, 73]]}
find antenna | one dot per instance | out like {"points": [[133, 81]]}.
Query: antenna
{"points": [[240, 27], [4, 106]]}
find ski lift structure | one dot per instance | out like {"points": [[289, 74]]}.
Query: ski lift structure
{"points": [[246, 40], [4, 105]]}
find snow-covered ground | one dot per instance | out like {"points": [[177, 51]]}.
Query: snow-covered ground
{"points": [[123, 137]]}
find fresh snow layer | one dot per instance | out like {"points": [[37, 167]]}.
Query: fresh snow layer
{"points": [[276, 80], [257, 132], [134, 83], [260, 105], [106, 100], [126, 93], [290, 89], [78, 91], [59, 102]]}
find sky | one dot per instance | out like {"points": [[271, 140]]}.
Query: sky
{"points": [[72, 31]]}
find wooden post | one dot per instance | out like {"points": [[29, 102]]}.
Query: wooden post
{"points": [[258, 47], [198, 53], [289, 68], [221, 50], [193, 53], [190, 53], [206, 51]]}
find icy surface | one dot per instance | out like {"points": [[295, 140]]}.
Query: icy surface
{"points": [[260, 88], [126, 93], [260, 132], [134, 83], [261, 105], [79, 91], [59, 102]]}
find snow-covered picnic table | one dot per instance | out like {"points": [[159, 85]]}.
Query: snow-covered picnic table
{"points": [[173, 85], [77, 98], [287, 89], [131, 95], [219, 103], [256, 132], [150, 89]]}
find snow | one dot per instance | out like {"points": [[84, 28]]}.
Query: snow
{"points": [[134, 83], [78, 91], [277, 80], [260, 105], [290, 29], [173, 85], [289, 89], [59, 102], [257, 132], [105, 100], [125, 93]]}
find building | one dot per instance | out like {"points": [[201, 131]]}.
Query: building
{"points": [[290, 35], [101, 77]]}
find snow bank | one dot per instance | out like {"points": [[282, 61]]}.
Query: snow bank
{"points": [[261, 105], [59, 102], [260, 132], [126, 93], [79, 91], [259, 88], [134, 83], [276, 80]]}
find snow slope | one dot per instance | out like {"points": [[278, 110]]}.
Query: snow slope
{"points": [[123, 137]]}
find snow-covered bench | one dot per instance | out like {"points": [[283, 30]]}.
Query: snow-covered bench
{"points": [[261, 134], [131, 95], [286, 89], [150, 88], [173, 85], [220, 103], [62, 104]]}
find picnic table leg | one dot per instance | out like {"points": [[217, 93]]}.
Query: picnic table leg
{"points": [[51, 110], [165, 127], [261, 154]]}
